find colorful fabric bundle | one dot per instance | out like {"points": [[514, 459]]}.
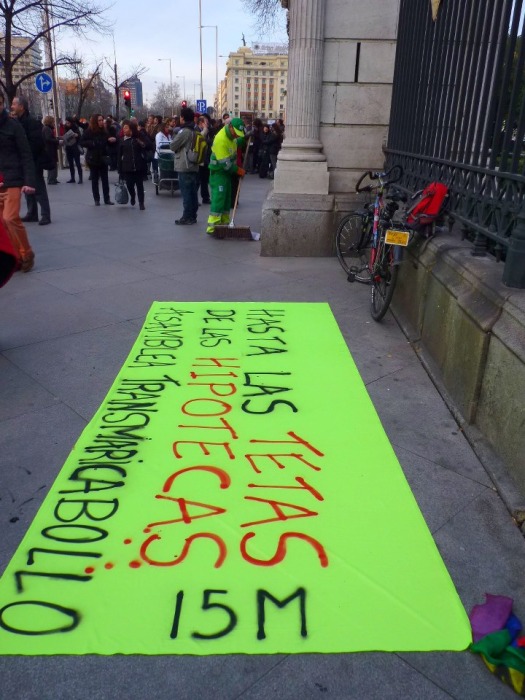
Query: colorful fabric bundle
{"points": [[497, 638]]}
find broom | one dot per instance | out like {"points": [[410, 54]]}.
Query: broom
{"points": [[230, 230]]}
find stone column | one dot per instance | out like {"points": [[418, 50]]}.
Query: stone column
{"points": [[299, 209], [340, 71], [305, 78]]}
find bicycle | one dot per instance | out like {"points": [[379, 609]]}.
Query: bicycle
{"points": [[371, 236]]}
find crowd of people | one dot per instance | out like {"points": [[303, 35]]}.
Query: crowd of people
{"points": [[132, 148]]}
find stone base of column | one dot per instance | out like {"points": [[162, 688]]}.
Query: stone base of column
{"points": [[301, 177], [297, 225]]}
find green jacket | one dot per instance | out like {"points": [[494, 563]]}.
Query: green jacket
{"points": [[224, 152]]}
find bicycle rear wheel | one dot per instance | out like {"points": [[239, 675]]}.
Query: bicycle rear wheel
{"points": [[351, 236], [384, 278]]}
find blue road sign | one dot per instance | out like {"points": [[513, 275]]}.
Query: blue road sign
{"points": [[43, 82], [201, 106]]}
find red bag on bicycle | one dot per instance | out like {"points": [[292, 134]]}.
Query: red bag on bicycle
{"points": [[428, 206], [9, 258]]}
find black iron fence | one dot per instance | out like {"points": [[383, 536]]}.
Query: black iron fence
{"points": [[458, 116]]}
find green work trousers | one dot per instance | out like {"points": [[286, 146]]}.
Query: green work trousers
{"points": [[220, 189]]}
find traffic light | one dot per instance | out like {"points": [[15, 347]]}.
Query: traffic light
{"points": [[127, 99], [183, 104]]}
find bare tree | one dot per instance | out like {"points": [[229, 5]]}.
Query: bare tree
{"points": [[266, 13], [93, 97], [116, 82], [84, 79], [36, 20], [162, 102]]}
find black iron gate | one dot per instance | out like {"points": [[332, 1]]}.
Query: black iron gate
{"points": [[458, 115]]}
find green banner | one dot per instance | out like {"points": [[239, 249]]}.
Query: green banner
{"points": [[235, 493]]}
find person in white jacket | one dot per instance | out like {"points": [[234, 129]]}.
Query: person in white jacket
{"points": [[162, 145]]}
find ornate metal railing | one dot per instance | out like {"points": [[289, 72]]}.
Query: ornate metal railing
{"points": [[458, 116]]}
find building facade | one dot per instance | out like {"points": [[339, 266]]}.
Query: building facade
{"points": [[221, 99], [134, 85], [28, 62], [96, 99], [256, 82]]}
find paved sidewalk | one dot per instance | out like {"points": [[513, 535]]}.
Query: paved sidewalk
{"points": [[66, 328]]}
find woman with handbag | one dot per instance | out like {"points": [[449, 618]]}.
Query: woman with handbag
{"points": [[131, 161], [71, 139], [95, 140]]}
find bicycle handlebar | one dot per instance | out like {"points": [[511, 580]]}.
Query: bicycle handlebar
{"points": [[368, 187], [379, 176]]}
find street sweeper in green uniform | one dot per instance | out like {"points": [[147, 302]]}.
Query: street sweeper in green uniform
{"points": [[223, 164]]}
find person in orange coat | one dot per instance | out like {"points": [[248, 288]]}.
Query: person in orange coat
{"points": [[17, 176]]}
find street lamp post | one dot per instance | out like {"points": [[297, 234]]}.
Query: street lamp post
{"points": [[183, 85], [211, 26], [200, 41], [171, 85]]}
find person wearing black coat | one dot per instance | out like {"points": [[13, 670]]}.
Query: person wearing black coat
{"points": [[131, 161], [17, 176], [150, 146], [256, 144], [113, 130], [206, 129], [274, 143], [95, 140], [52, 144], [71, 142], [33, 130], [264, 152]]}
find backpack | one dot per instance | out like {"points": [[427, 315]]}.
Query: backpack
{"points": [[428, 205], [196, 153]]}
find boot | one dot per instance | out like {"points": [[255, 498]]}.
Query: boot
{"points": [[28, 261]]}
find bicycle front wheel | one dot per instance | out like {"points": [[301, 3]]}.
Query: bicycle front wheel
{"points": [[350, 238], [384, 278]]}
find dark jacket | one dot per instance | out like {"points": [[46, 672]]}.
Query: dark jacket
{"points": [[33, 129], [273, 143], [149, 144], [131, 155], [96, 145], [52, 145], [71, 143], [256, 135], [113, 130], [16, 160]]}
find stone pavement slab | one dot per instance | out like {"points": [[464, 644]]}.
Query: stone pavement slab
{"points": [[95, 354], [66, 329]]}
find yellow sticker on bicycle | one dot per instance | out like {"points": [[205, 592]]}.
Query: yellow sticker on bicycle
{"points": [[393, 237]]}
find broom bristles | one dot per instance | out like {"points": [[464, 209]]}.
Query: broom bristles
{"points": [[233, 232]]}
